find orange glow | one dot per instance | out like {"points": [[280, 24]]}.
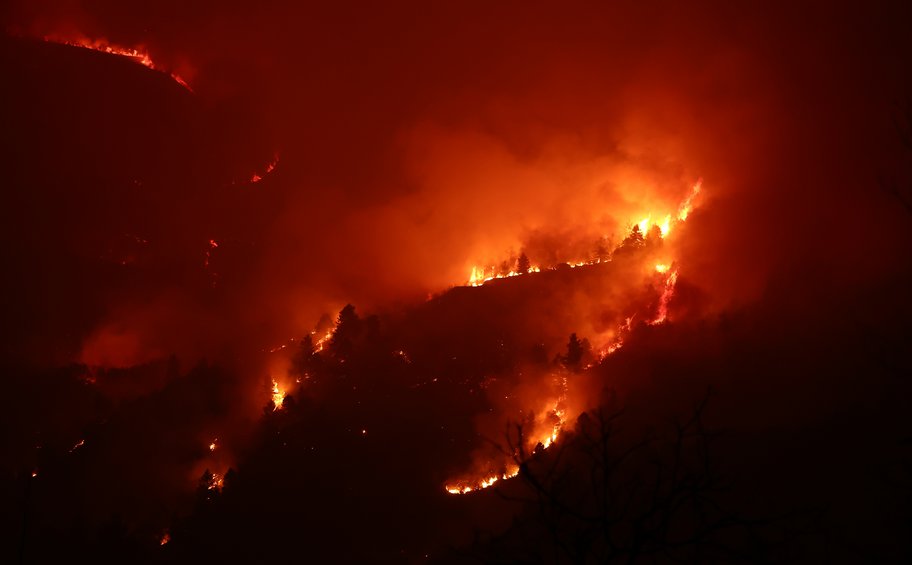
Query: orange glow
{"points": [[138, 54], [644, 224], [665, 226], [661, 268]]}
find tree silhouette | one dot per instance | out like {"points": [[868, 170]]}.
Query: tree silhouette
{"points": [[654, 237], [348, 328], [577, 350], [600, 497], [634, 239], [602, 249], [522, 264]]}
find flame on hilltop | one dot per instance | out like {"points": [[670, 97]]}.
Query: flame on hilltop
{"points": [[556, 409], [482, 275], [138, 54]]}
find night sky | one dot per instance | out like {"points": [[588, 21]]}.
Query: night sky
{"points": [[246, 315]]}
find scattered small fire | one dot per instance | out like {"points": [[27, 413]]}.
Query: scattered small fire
{"points": [[216, 482], [138, 54], [213, 445], [166, 537], [270, 166], [79, 444]]}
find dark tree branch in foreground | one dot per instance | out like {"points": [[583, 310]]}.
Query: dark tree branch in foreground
{"points": [[598, 497]]}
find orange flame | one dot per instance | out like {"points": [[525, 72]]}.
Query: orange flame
{"points": [[138, 54], [667, 294], [687, 207], [278, 395]]}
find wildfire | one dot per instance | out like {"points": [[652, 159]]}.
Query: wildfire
{"points": [[270, 166], [556, 409], [321, 343], [687, 207], [667, 293], [478, 278], [214, 445], [79, 444], [481, 275], [278, 395], [138, 54], [463, 488], [166, 537]]}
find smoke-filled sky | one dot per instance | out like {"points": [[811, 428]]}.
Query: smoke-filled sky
{"points": [[416, 141]]}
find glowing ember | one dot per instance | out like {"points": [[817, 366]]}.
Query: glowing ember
{"points": [[216, 482], [214, 445], [278, 395], [138, 54], [79, 444]]}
